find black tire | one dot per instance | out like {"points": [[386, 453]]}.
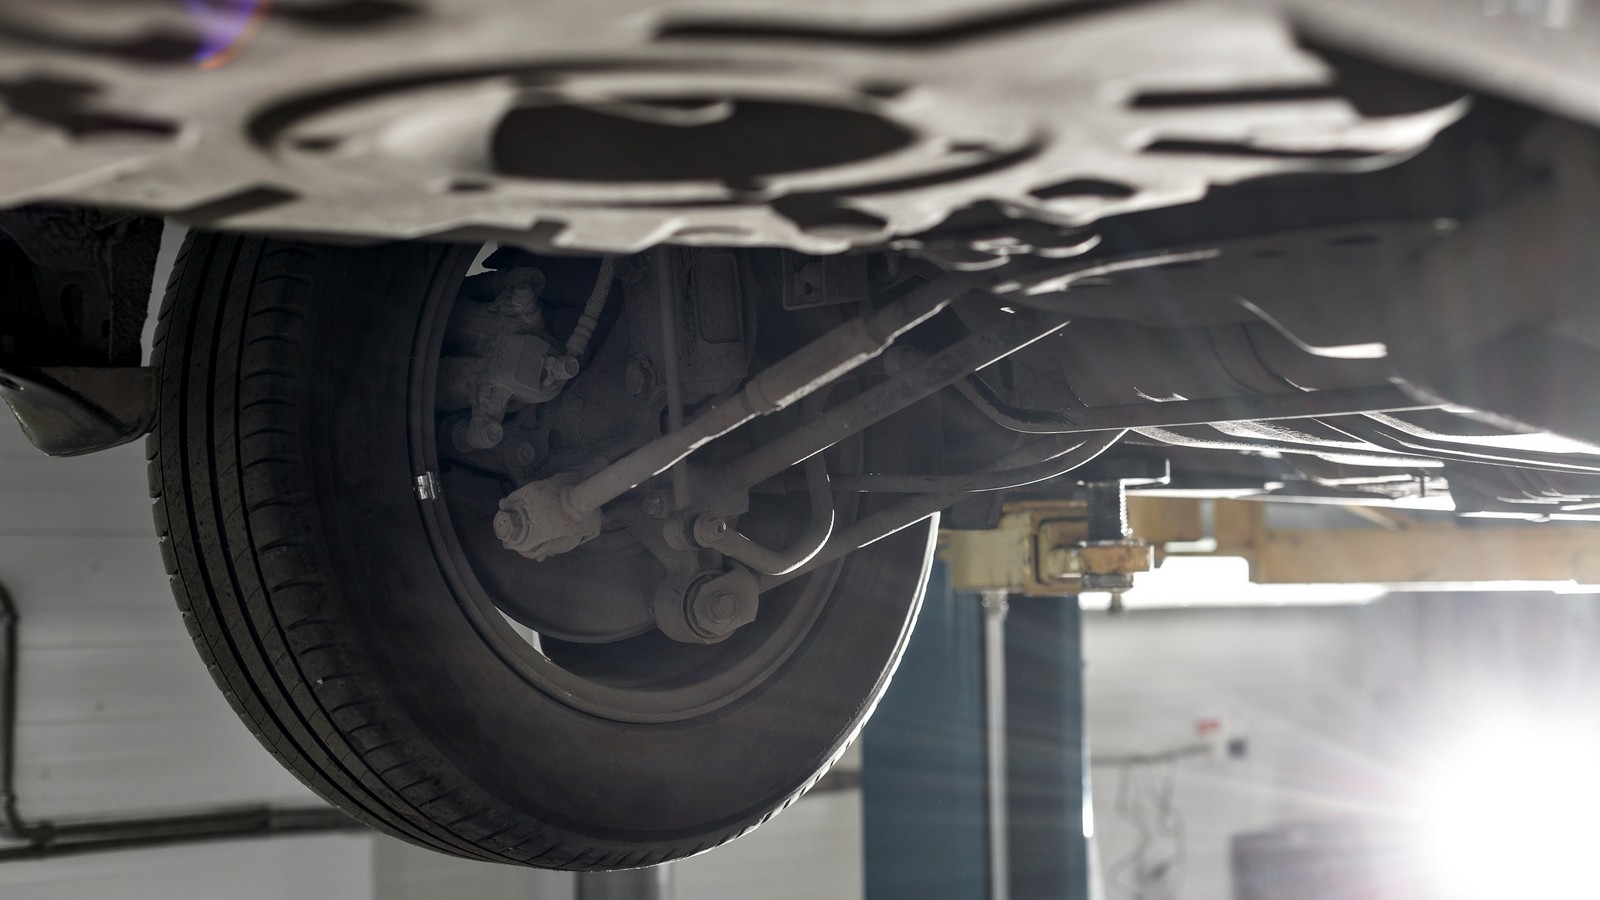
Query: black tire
{"points": [[284, 497]]}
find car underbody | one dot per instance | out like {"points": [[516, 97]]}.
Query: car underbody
{"points": [[689, 267]]}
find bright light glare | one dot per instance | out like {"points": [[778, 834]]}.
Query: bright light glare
{"points": [[1515, 812]]}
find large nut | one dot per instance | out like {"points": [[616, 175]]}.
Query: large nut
{"points": [[714, 611], [707, 607], [721, 606]]}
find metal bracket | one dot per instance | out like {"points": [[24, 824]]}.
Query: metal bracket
{"points": [[1038, 548], [71, 411]]}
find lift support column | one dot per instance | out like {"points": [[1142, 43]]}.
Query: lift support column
{"points": [[929, 755]]}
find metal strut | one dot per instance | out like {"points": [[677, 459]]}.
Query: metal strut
{"points": [[923, 379], [775, 388], [556, 514]]}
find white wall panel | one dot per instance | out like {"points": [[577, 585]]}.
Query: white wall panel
{"points": [[116, 712], [102, 494], [301, 868]]}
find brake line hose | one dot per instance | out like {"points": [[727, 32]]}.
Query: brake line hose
{"points": [[578, 341]]}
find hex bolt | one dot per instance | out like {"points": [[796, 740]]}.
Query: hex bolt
{"points": [[709, 529], [712, 613], [1108, 510], [717, 613], [654, 504], [720, 608], [706, 607]]}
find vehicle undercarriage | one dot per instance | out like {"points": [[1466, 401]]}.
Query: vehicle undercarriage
{"points": [[629, 377]]}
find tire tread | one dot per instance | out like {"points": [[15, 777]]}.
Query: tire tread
{"points": [[233, 506]]}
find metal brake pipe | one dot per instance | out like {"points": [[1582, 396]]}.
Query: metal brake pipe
{"points": [[1383, 434], [804, 548], [922, 379], [912, 510], [787, 381], [1178, 413], [1016, 418], [977, 482]]}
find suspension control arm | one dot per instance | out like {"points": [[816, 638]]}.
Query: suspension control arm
{"points": [[929, 375], [1066, 453], [554, 515], [817, 365]]}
